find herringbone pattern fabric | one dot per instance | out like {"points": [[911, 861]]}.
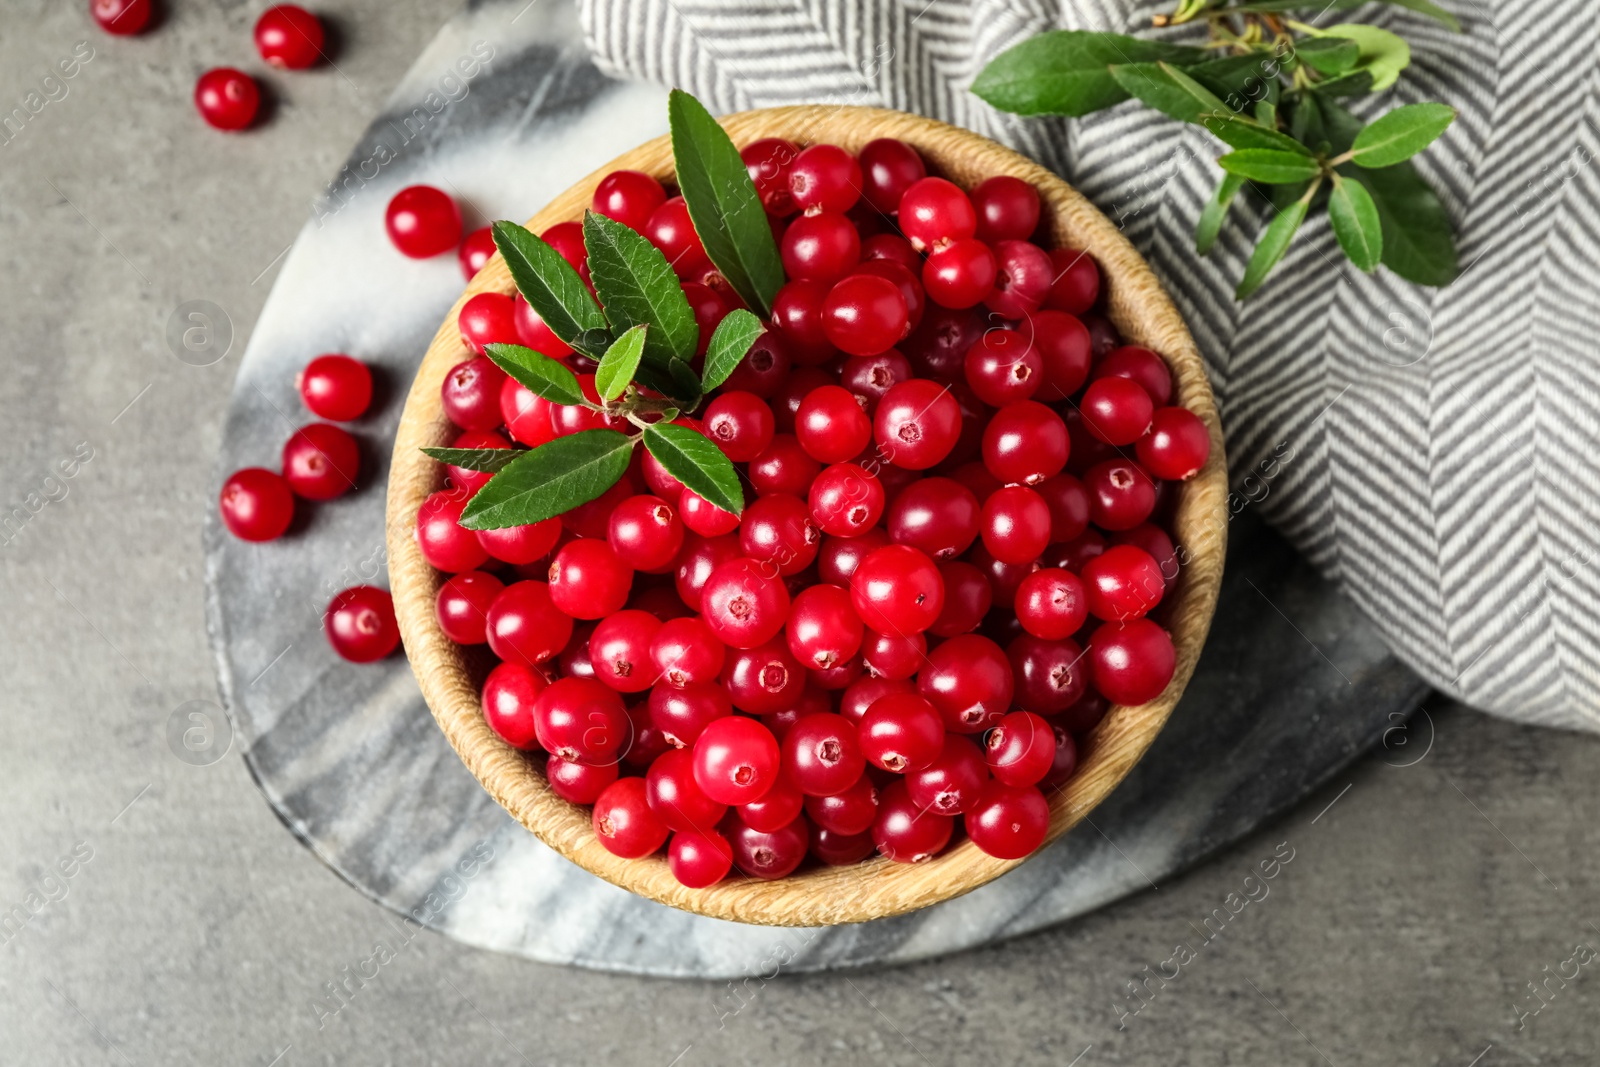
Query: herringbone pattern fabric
{"points": [[1434, 452]]}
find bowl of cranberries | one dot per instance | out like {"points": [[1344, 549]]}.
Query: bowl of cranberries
{"points": [[979, 551]]}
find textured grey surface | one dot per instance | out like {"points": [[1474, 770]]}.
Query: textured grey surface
{"points": [[1405, 930]]}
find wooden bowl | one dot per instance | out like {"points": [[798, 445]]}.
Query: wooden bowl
{"points": [[451, 676]]}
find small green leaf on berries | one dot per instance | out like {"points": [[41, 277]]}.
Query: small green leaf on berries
{"points": [[487, 460], [729, 344], [1400, 134], [553, 478], [620, 363], [690, 457], [551, 287], [540, 374], [637, 286]]}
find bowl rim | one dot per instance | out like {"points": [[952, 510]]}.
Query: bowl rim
{"points": [[877, 888]]}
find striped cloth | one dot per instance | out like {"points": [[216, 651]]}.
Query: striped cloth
{"points": [[1434, 452]]}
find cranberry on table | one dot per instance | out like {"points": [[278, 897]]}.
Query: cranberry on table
{"points": [[1015, 524], [821, 247], [1007, 209], [901, 732], [888, 168], [865, 314], [968, 680], [336, 387], [967, 599], [959, 274], [1122, 583], [226, 98], [1004, 367], [917, 424], [735, 760], [463, 606], [476, 250], [897, 590], [675, 796], [256, 504], [1177, 445], [935, 212], [321, 462], [629, 197], [1052, 603], [1020, 749], [624, 823], [905, 833], [122, 18], [360, 624], [672, 231], [423, 221], [289, 36], [767, 854], [1116, 410], [1131, 662], [488, 318], [588, 580], [1008, 822], [1025, 442], [525, 626], [700, 858], [509, 694], [1076, 284], [645, 533], [825, 177], [768, 161], [949, 785]]}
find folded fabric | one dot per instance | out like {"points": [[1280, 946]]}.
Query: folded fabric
{"points": [[1436, 452]]}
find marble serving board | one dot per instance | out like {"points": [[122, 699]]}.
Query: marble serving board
{"points": [[505, 109]]}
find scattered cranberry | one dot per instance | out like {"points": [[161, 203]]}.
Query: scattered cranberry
{"points": [[123, 18], [321, 462], [423, 221], [289, 36], [257, 504], [226, 98], [360, 624], [336, 387]]}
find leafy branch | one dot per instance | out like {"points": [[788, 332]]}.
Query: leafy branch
{"points": [[1270, 88]]}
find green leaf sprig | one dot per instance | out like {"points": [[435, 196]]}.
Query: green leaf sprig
{"points": [[638, 328], [1271, 89]]}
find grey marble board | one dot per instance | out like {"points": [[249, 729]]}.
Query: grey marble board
{"points": [[1293, 684]]}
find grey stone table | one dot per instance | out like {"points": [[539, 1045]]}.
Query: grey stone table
{"points": [[1416, 909]]}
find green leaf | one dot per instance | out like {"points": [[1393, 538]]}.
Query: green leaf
{"points": [[539, 373], [723, 203], [1305, 121], [1274, 243], [553, 289], [686, 386], [1241, 80], [1064, 72], [1270, 167], [1329, 55], [1356, 83], [1400, 134], [621, 361], [1237, 131], [488, 460], [729, 344], [553, 478], [1383, 54], [638, 288], [1418, 240], [1354, 218], [1216, 209], [690, 457], [1425, 7], [1170, 91]]}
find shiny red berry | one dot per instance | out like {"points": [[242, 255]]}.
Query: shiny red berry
{"points": [[1007, 209], [822, 247], [763, 680], [1132, 662], [869, 378], [850, 811], [423, 221], [917, 424], [897, 590], [744, 602], [360, 624], [525, 626], [968, 679], [321, 462], [696, 562], [226, 98], [578, 783], [619, 650], [534, 333], [581, 721], [1015, 524], [675, 796], [122, 18], [825, 177], [797, 314], [960, 274], [1050, 676], [685, 652], [1052, 603], [629, 197], [740, 424], [831, 425], [588, 580], [470, 393], [967, 599], [774, 809], [823, 629], [624, 823], [735, 760], [904, 832], [1025, 442], [949, 785], [1122, 583], [463, 606], [256, 504], [1177, 445], [768, 162], [1064, 348], [671, 230], [822, 756], [521, 544], [1008, 822], [767, 854], [509, 694], [901, 732], [845, 500], [934, 212], [896, 656], [784, 466], [1003, 368], [1076, 284], [1121, 494], [778, 530], [645, 533], [937, 516], [477, 248], [700, 858], [336, 387], [488, 318], [526, 415], [865, 314], [289, 36], [681, 713], [888, 168], [444, 542], [1020, 748], [1116, 410]]}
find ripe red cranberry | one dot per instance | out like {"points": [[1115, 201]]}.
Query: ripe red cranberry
{"points": [[825, 177], [226, 98], [1177, 445], [907, 280], [699, 557], [1076, 287], [937, 516], [682, 713], [423, 221], [122, 18], [594, 518], [783, 467], [950, 784], [774, 809], [894, 656], [934, 212], [893, 248], [321, 462], [533, 333], [766, 855], [588, 581], [704, 517], [888, 168], [777, 530], [567, 239], [764, 371], [578, 783], [735, 760], [901, 732], [360, 624], [849, 811], [624, 823], [574, 661], [768, 161], [1103, 337], [1007, 209], [1155, 541], [745, 603], [1065, 764], [685, 652], [1004, 578], [1121, 494], [1131, 662], [1068, 502], [967, 599], [581, 721], [797, 314], [897, 590], [1052, 604], [671, 230], [959, 274], [521, 544], [1025, 442], [629, 197], [675, 796], [968, 679], [938, 347], [822, 247], [699, 859], [904, 832], [1071, 555], [740, 424], [336, 387], [917, 424], [256, 504], [1015, 524], [1141, 366], [763, 680], [1020, 749], [1086, 450], [838, 557], [860, 695], [1050, 675], [470, 394], [444, 542], [1021, 280], [1122, 583], [869, 378], [477, 248], [822, 757], [619, 650], [645, 533], [488, 318], [571, 418], [845, 500], [823, 629], [1008, 822], [463, 606], [509, 694], [831, 425], [525, 626], [1003, 368], [1116, 410], [289, 36], [1064, 348], [865, 314]]}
